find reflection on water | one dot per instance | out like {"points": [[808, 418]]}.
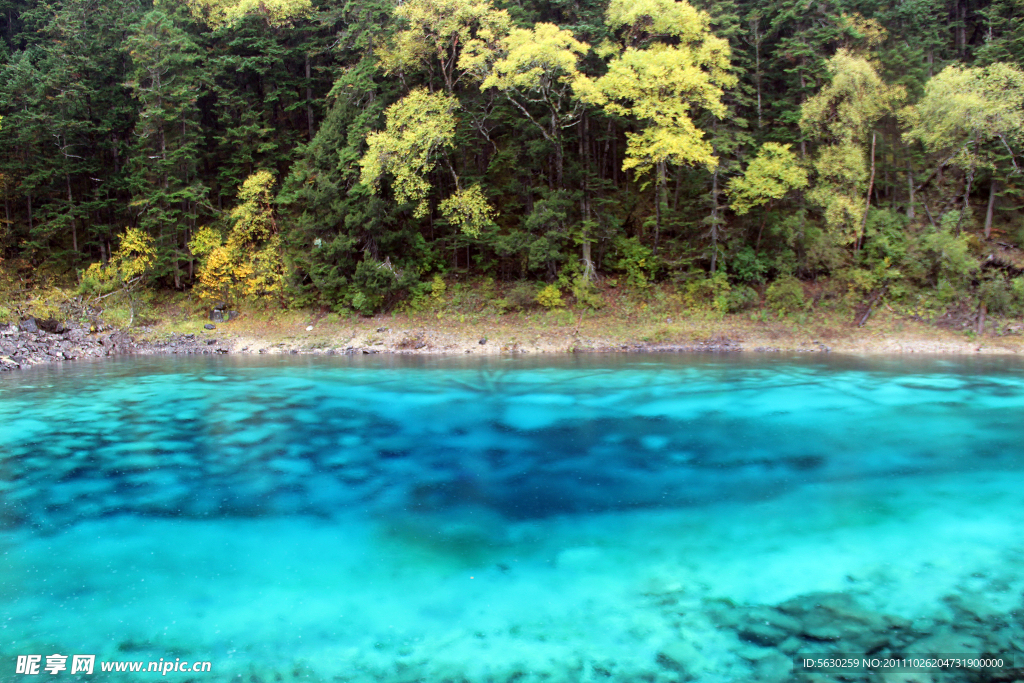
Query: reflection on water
{"points": [[608, 518]]}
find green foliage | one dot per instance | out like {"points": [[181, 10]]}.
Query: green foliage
{"points": [[376, 284], [942, 259], [437, 288], [773, 173], [1000, 295], [963, 108], [538, 61], [785, 295], [434, 32], [493, 140], [522, 295], [469, 210], [742, 298], [842, 115], [124, 274], [708, 293], [419, 128], [218, 13], [636, 260], [748, 266], [127, 267], [585, 292], [549, 297], [662, 84]]}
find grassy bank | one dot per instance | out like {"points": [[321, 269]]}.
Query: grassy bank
{"points": [[481, 317], [466, 320]]}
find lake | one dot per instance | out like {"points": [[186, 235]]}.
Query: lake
{"points": [[580, 518]]}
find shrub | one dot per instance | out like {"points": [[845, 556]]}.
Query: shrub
{"points": [[521, 295], [635, 259], [550, 297], [742, 298], [998, 295], [378, 283], [708, 292], [437, 288], [586, 293], [785, 295], [748, 265]]}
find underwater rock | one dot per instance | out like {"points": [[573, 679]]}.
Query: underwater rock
{"points": [[837, 617], [946, 641], [683, 657]]}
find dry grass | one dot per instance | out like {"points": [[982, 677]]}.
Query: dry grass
{"points": [[458, 323]]}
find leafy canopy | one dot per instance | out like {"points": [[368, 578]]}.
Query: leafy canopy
{"points": [[964, 107], [662, 84], [851, 103], [769, 176], [531, 60], [218, 13], [438, 30], [418, 128], [843, 115], [249, 262]]}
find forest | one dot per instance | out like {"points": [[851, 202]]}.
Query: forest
{"points": [[355, 156]]}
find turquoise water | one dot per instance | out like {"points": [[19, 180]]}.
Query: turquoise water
{"points": [[577, 519]]}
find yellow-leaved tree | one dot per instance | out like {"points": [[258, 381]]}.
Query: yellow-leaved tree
{"points": [[768, 177], [665, 64], [217, 13], [844, 115], [249, 262], [420, 129], [973, 118], [123, 275]]}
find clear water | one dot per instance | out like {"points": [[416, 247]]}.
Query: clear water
{"points": [[577, 519]]}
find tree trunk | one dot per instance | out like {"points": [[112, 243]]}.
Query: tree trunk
{"points": [[967, 190], [867, 202], [588, 264], [714, 220], [991, 207], [74, 230], [755, 25], [910, 187], [660, 197], [982, 311], [309, 99]]}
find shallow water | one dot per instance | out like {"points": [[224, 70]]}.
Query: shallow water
{"points": [[596, 518]]}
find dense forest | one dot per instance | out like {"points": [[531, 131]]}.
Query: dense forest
{"points": [[355, 154]]}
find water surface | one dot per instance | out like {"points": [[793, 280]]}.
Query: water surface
{"points": [[595, 518]]}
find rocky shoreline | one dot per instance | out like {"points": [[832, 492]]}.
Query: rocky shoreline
{"points": [[34, 342]]}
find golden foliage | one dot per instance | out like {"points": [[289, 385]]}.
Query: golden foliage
{"points": [[217, 13], [663, 83], [249, 263]]}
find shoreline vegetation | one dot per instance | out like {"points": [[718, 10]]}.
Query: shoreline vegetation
{"points": [[466, 320]]}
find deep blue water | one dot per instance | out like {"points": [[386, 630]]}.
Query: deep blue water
{"points": [[511, 519]]}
